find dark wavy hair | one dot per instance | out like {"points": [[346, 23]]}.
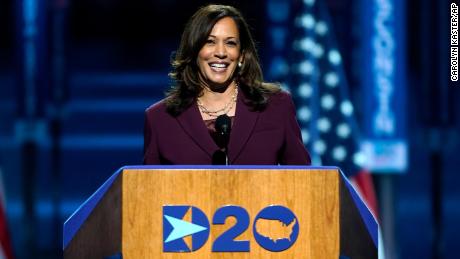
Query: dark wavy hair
{"points": [[185, 73]]}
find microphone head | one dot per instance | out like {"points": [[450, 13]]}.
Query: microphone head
{"points": [[223, 124]]}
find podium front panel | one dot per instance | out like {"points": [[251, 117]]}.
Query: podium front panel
{"points": [[312, 196]]}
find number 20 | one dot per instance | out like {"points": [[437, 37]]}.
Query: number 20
{"points": [[226, 241]]}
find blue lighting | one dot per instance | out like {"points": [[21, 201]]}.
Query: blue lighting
{"points": [[334, 57], [321, 28], [384, 85], [30, 54], [278, 10]]}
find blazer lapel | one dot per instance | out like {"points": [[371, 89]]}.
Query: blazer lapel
{"points": [[243, 125], [192, 123]]}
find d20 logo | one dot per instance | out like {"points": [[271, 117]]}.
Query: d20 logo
{"points": [[276, 228], [185, 228]]}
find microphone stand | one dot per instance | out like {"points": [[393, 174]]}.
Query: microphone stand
{"points": [[223, 127], [226, 149]]}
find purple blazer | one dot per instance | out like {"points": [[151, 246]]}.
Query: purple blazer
{"points": [[269, 137]]}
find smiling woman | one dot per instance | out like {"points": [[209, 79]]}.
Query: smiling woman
{"points": [[218, 57], [217, 77], [217, 62]]}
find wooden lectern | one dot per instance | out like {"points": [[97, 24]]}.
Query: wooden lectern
{"points": [[125, 217]]}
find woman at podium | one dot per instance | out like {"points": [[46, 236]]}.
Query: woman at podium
{"points": [[219, 110]]}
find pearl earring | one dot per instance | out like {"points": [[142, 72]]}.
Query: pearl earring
{"points": [[240, 64]]}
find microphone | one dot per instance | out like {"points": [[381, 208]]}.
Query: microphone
{"points": [[223, 128], [223, 125]]}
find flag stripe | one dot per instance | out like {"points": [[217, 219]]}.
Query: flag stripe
{"points": [[363, 182], [6, 250], [4, 237]]}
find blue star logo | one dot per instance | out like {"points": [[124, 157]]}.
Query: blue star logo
{"points": [[182, 228], [176, 228]]}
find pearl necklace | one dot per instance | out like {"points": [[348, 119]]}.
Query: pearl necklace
{"points": [[227, 108]]}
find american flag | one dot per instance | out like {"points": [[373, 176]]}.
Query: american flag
{"points": [[325, 112]]}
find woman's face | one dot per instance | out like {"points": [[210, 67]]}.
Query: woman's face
{"points": [[219, 56]]}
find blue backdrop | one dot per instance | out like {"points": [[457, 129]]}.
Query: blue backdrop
{"points": [[76, 77]]}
